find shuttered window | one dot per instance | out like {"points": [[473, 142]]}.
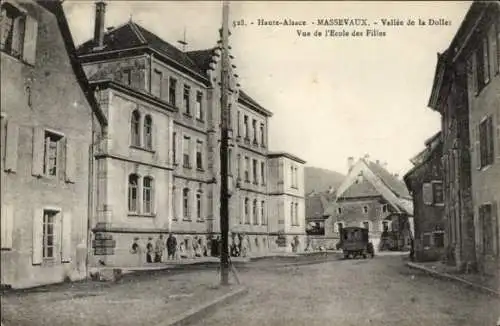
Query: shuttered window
{"points": [[19, 33], [66, 236], [7, 226], [156, 83], [427, 194], [486, 225], [486, 142], [11, 146]]}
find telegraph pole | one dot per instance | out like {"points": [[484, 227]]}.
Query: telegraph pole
{"points": [[224, 195]]}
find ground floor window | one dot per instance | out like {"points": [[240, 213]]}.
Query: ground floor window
{"points": [[49, 220], [438, 238]]}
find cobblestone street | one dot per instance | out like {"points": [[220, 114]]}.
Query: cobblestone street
{"points": [[381, 292]]}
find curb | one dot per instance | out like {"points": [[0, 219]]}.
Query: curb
{"points": [[202, 310], [450, 277]]}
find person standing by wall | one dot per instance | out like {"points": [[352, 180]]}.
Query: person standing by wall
{"points": [[159, 249], [149, 250], [171, 246]]}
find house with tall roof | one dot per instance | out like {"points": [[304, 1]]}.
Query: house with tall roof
{"points": [[50, 121], [373, 198], [465, 92], [158, 168], [425, 181]]}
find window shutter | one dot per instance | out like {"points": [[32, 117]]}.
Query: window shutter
{"points": [[497, 128], [7, 226], [71, 160], [486, 62], [66, 237], [11, 147], [164, 88], [474, 73], [135, 78], [30, 37], [38, 150], [494, 226], [470, 76], [427, 194], [37, 251], [477, 147], [493, 49]]}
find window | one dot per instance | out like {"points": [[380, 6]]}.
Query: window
{"points": [[433, 193], [487, 224], [247, 216], [127, 77], [147, 195], [255, 216], [296, 213], [486, 60], [199, 155], [172, 89], [426, 239], [18, 33], [185, 98], [365, 209], [156, 83], [340, 226], [49, 246], [52, 154], [174, 203], [292, 215], [292, 179], [198, 205], [262, 133], [185, 201], [238, 162], [263, 173], [238, 126], [245, 123], [254, 170], [133, 194], [254, 128], [385, 208], [185, 149], [263, 212], [148, 132], [437, 189], [247, 163], [339, 210], [385, 226], [174, 147], [366, 225], [135, 126], [199, 108], [486, 146], [438, 237]]}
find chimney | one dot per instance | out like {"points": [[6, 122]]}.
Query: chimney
{"points": [[100, 12], [350, 163]]}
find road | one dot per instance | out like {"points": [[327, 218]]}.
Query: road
{"points": [[380, 291]]}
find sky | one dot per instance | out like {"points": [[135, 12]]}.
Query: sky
{"points": [[332, 97]]}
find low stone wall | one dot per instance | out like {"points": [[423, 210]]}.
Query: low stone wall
{"points": [[317, 241]]}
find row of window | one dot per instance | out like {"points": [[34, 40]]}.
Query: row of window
{"points": [[257, 137], [383, 227], [186, 152], [384, 209], [256, 173], [141, 129], [54, 155], [484, 62], [259, 216]]}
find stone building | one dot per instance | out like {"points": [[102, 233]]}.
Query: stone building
{"points": [[425, 181], [49, 121], [465, 92], [159, 167], [373, 198]]}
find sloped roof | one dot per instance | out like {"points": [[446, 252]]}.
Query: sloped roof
{"points": [[393, 183], [133, 35], [202, 58], [363, 188], [314, 206]]}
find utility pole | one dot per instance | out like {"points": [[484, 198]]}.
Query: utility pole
{"points": [[224, 195]]}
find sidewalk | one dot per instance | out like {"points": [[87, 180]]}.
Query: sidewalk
{"points": [[487, 284], [158, 299]]}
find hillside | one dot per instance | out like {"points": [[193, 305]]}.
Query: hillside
{"points": [[321, 179]]}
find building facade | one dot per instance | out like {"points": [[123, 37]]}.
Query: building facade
{"points": [[159, 168], [481, 52], [465, 92], [373, 198], [425, 182], [49, 122]]}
